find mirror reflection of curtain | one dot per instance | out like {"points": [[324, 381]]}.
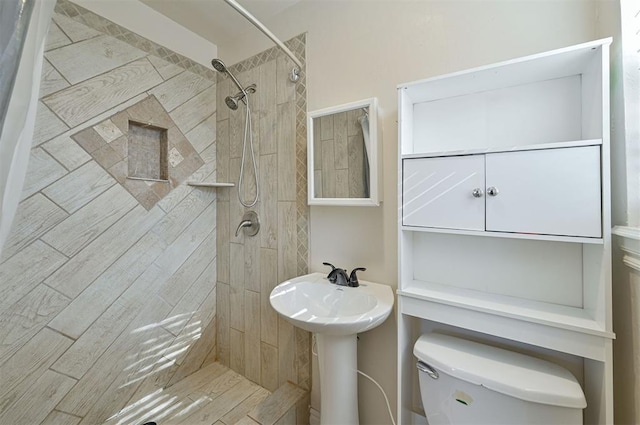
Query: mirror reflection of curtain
{"points": [[23, 28], [364, 123]]}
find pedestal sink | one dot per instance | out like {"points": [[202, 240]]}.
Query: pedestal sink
{"points": [[336, 314]]}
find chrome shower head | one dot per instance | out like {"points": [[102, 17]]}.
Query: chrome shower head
{"points": [[232, 102], [219, 66]]}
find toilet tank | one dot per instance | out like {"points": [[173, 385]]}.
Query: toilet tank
{"points": [[464, 382]]}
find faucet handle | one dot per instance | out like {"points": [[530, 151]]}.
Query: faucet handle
{"points": [[332, 277], [353, 278]]}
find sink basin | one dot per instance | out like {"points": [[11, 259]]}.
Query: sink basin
{"points": [[312, 303]]}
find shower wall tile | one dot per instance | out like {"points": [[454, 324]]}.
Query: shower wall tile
{"points": [[91, 262], [81, 61], [267, 106], [36, 403], [166, 69], [236, 286], [269, 201], [279, 117], [79, 187], [222, 156], [29, 316], [74, 30], [55, 38], [182, 290], [223, 249], [48, 125], [286, 352], [108, 331], [203, 135], [67, 152], [60, 418], [83, 311], [287, 243], [237, 353], [224, 90], [34, 217], [41, 172], [268, 281], [285, 135], [176, 91], [31, 361], [236, 132], [252, 336], [18, 276], [76, 232], [86, 393], [51, 81], [223, 322], [195, 110], [85, 100], [252, 262], [269, 366], [285, 89]]}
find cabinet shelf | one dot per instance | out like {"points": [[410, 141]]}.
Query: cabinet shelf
{"points": [[553, 315], [515, 148], [510, 235]]}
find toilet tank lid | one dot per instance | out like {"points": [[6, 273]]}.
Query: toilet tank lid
{"points": [[506, 372]]}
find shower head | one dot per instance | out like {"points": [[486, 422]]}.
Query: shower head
{"points": [[233, 101], [219, 66]]}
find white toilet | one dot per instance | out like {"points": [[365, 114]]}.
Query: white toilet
{"points": [[463, 382]]}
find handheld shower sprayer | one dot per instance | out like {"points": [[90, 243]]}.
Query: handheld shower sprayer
{"points": [[233, 102]]}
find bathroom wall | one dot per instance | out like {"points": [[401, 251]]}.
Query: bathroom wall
{"points": [[358, 50], [252, 338], [108, 286]]}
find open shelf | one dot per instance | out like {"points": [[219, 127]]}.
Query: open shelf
{"points": [[554, 315]]}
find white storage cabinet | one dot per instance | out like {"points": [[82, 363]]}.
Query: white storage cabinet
{"points": [[504, 232], [548, 191]]}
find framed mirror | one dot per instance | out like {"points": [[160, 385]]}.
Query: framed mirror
{"points": [[342, 155]]}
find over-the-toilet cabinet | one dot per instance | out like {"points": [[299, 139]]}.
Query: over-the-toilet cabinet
{"points": [[547, 191], [504, 227]]}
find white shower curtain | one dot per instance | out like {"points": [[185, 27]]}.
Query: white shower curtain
{"points": [[17, 130]]}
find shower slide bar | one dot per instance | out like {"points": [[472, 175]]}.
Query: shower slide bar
{"points": [[295, 73]]}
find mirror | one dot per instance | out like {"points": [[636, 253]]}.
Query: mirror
{"points": [[342, 155]]}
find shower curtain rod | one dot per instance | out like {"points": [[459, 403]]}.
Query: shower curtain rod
{"points": [[244, 12]]}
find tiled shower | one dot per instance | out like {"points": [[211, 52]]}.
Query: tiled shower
{"points": [[113, 287]]}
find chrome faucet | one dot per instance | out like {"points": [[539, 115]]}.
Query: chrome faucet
{"points": [[339, 276]]}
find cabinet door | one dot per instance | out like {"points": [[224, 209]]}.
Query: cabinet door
{"points": [[553, 192], [438, 192]]}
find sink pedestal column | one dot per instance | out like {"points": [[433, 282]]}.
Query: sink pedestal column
{"points": [[338, 358]]}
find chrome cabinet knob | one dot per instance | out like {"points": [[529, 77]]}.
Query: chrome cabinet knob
{"points": [[477, 192], [492, 191]]}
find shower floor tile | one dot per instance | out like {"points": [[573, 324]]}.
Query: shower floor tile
{"points": [[214, 394]]}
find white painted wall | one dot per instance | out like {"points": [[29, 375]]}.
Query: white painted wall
{"points": [[361, 49], [147, 22]]}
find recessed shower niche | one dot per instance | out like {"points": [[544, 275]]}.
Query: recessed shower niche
{"points": [[143, 149], [147, 152]]}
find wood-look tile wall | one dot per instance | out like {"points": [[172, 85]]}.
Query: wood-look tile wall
{"points": [[252, 339], [103, 300]]}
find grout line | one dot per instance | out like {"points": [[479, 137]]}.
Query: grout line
{"points": [[63, 374], [64, 335]]}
